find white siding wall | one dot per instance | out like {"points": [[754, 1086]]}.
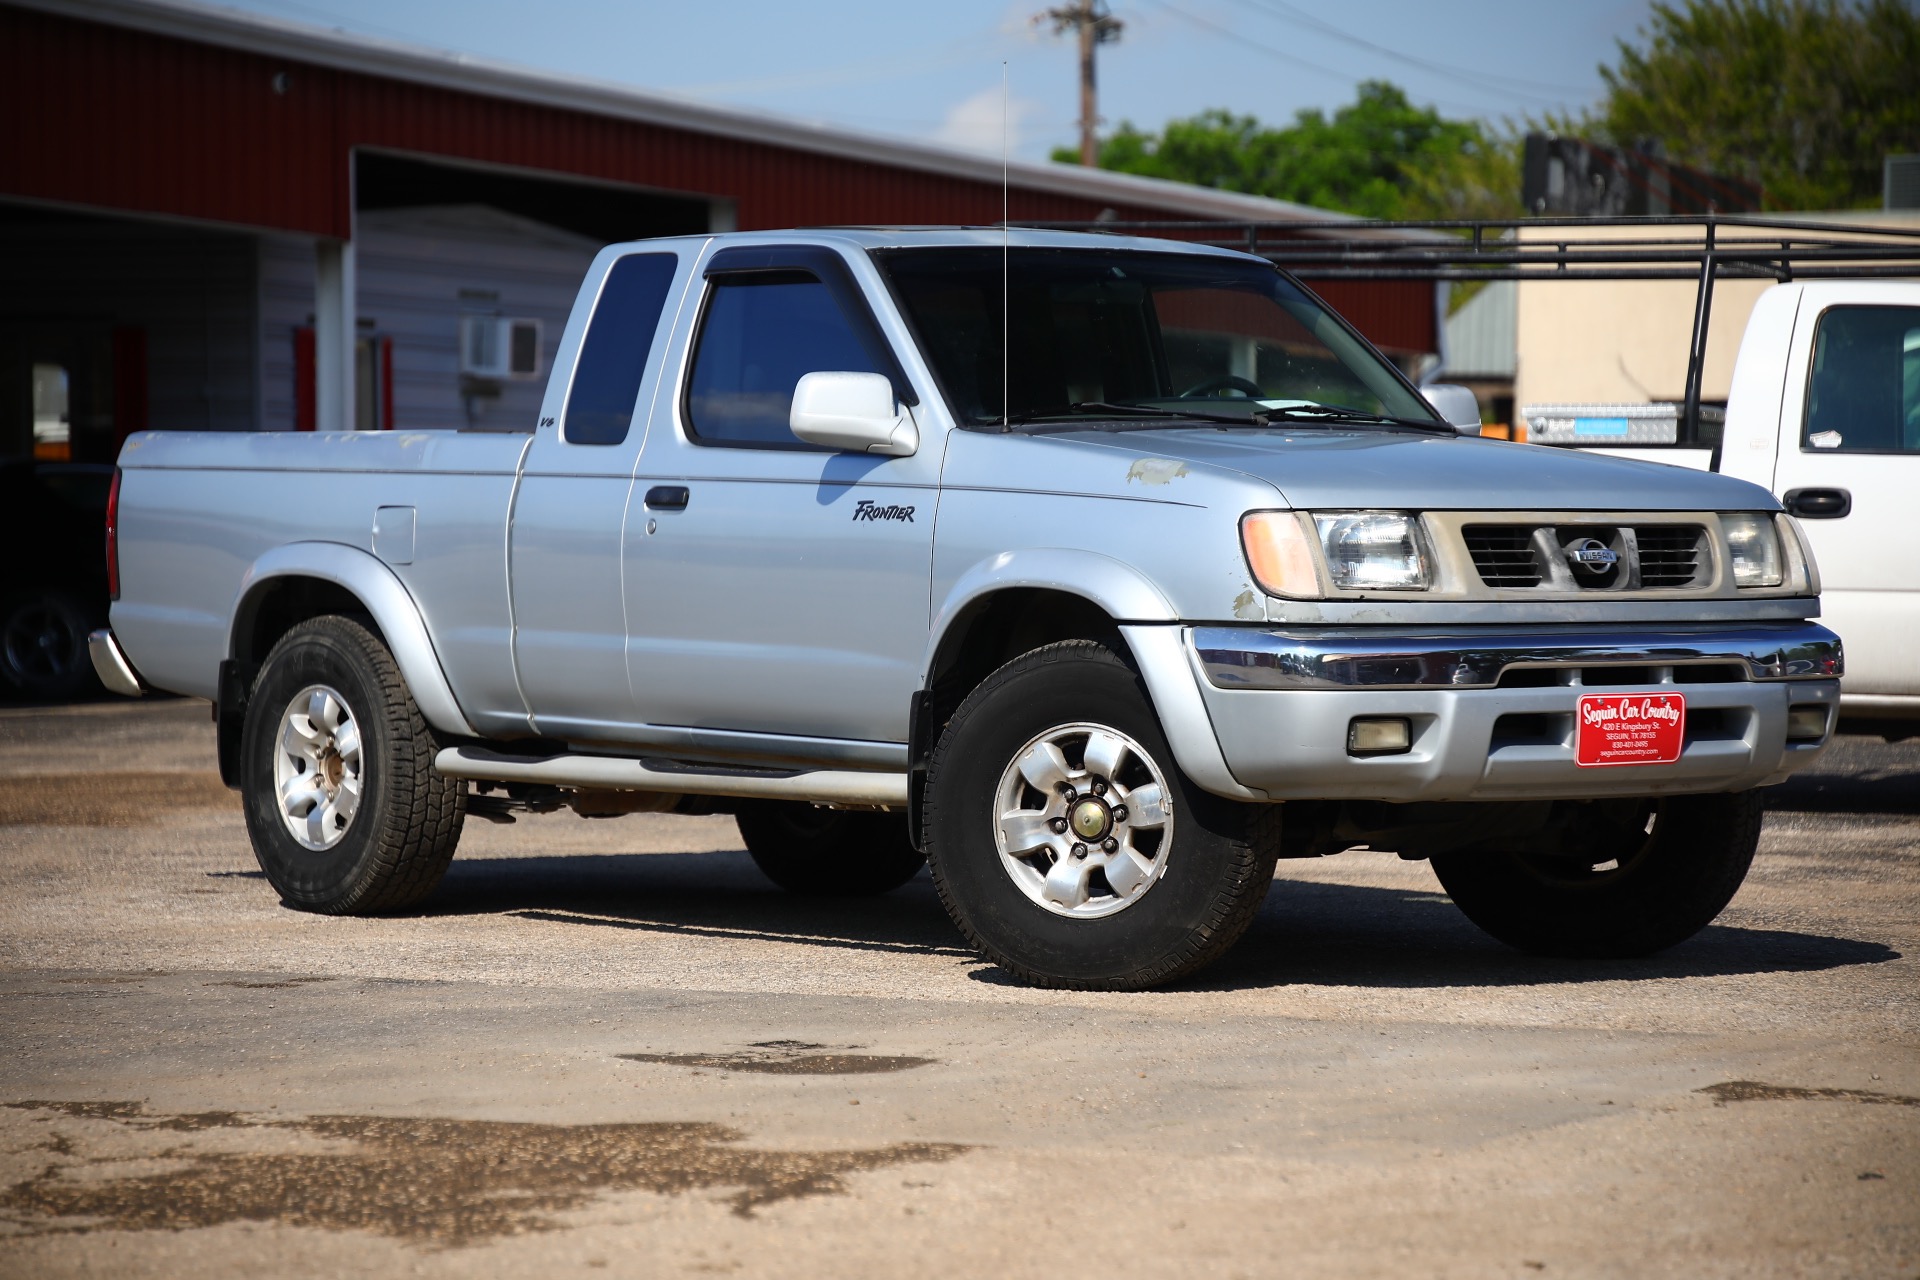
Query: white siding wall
{"points": [[421, 270]]}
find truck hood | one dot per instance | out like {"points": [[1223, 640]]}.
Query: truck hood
{"points": [[1325, 470]]}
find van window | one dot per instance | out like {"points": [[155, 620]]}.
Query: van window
{"points": [[613, 358], [760, 335], [1864, 394]]}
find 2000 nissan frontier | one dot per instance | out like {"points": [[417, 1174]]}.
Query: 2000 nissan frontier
{"points": [[1101, 572]]}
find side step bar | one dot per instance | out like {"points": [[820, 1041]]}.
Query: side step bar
{"points": [[615, 773]]}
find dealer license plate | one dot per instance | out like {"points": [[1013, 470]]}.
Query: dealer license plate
{"points": [[1629, 728]]}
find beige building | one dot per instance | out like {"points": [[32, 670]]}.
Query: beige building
{"points": [[1626, 342]]}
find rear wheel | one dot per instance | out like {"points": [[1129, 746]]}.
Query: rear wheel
{"points": [[346, 812], [807, 849], [43, 646], [1068, 846], [1626, 878]]}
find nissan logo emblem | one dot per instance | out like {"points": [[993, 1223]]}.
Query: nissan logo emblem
{"points": [[1592, 555]]}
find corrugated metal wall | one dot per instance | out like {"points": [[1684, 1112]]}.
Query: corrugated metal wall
{"points": [[119, 119]]}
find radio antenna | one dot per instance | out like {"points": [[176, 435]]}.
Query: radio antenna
{"points": [[1006, 337]]}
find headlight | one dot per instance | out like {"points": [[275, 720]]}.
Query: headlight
{"points": [[1374, 551], [1754, 546]]}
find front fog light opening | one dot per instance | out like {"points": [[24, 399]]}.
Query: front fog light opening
{"points": [[1379, 736], [1807, 722]]}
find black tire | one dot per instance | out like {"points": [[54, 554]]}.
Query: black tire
{"points": [[391, 851], [43, 647], [1628, 878], [1218, 863], [840, 853]]}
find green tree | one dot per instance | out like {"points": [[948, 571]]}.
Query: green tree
{"points": [[1807, 97], [1379, 156]]}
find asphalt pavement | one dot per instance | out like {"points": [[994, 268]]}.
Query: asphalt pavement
{"points": [[611, 1047]]}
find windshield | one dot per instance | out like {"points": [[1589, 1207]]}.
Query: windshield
{"points": [[1103, 331]]}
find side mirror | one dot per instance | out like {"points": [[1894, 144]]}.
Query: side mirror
{"points": [[855, 412], [1457, 404]]}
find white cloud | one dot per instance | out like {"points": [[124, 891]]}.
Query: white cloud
{"points": [[974, 123]]}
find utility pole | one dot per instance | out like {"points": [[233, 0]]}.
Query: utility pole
{"points": [[1090, 21]]}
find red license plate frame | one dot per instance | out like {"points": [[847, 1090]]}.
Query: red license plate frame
{"points": [[1623, 729]]}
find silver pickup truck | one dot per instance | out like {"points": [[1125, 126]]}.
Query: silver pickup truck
{"points": [[1098, 621]]}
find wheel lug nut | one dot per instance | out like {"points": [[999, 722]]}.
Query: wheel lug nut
{"points": [[1119, 813], [1079, 851], [1110, 845], [1099, 787], [1067, 792], [1058, 826]]}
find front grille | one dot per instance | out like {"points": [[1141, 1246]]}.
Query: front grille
{"points": [[1671, 555], [1503, 554], [1655, 557]]}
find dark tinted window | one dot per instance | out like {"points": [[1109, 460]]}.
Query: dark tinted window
{"points": [[761, 333], [1864, 395], [606, 379], [1155, 330]]}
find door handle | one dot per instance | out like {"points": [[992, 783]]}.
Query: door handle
{"points": [[1817, 504], [667, 497]]}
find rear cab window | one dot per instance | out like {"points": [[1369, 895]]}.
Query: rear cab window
{"points": [[613, 356], [1863, 395]]}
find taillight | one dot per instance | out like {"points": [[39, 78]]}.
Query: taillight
{"points": [[113, 537]]}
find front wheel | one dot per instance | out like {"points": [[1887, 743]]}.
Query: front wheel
{"points": [[346, 812], [1623, 877], [1068, 846]]}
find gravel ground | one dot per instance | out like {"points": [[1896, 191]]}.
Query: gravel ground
{"points": [[612, 1047]]}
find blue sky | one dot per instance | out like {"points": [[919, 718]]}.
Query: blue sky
{"points": [[932, 72]]}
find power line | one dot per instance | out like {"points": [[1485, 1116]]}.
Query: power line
{"points": [[1293, 60], [1511, 85]]}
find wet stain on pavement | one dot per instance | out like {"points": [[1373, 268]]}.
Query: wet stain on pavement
{"points": [[274, 985], [430, 1182], [1755, 1091], [787, 1058], [108, 800]]}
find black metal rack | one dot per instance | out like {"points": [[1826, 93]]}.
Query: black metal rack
{"points": [[1722, 246]]}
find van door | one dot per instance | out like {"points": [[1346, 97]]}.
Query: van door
{"points": [[779, 589], [1849, 469], [569, 607]]}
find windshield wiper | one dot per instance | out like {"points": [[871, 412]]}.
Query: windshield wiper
{"points": [[1154, 411], [1111, 409], [1330, 414]]}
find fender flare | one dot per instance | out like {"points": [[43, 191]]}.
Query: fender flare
{"points": [[1130, 599], [386, 598], [1120, 590]]}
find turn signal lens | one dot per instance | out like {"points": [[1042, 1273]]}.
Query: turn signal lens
{"points": [[1279, 554], [1754, 546]]}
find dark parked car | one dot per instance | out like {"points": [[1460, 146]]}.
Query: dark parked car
{"points": [[53, 578]]}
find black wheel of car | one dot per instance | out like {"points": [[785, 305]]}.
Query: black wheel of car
{"points": [[1628, 878], [346, 812], [43, 646], [846, 853], [1068, 846]]}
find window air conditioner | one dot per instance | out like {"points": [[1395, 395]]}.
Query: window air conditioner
{"points": [[499, 347]]}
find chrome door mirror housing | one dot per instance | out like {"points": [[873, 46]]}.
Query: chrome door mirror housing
{"points": [[1457, 404], [855, 412]]}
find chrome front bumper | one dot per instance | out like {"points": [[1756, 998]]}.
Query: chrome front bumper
{"points": [[1492, 709]]}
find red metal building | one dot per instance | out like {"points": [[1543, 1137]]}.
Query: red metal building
{"points": [[182, 186]]}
